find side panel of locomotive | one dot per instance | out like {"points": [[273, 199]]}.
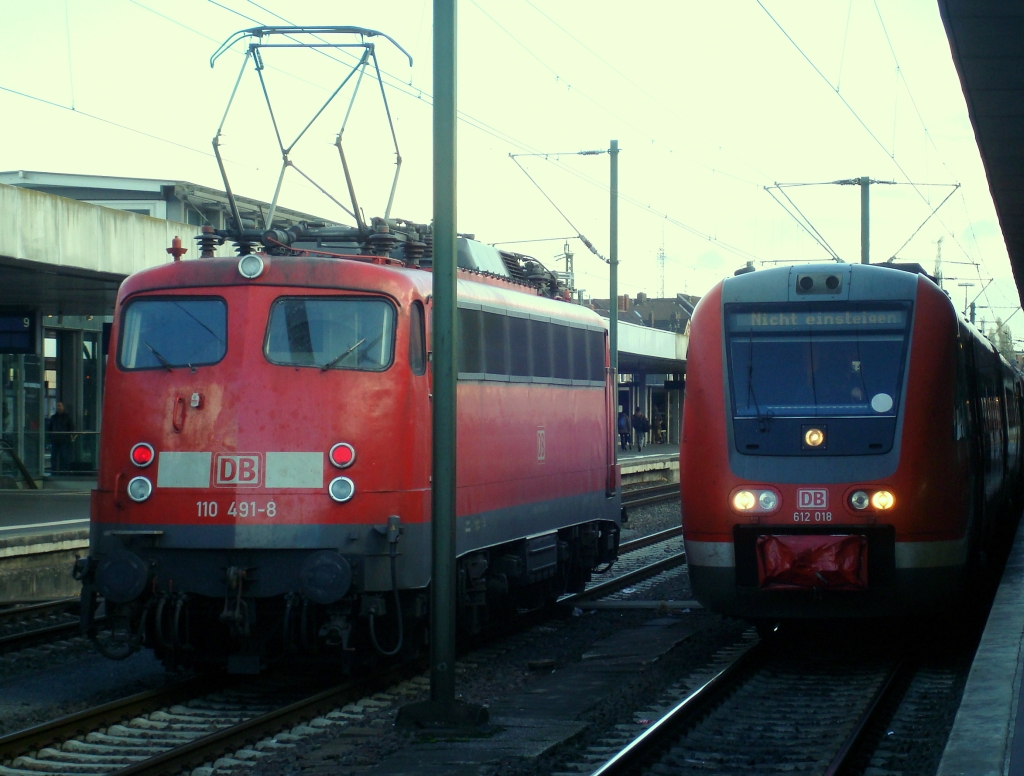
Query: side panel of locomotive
{"points": [[821, 543], [534, 435]]}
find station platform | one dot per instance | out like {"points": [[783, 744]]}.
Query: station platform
{"points": [[655, 463], [41, 532], [987, 738], [24, 512]]}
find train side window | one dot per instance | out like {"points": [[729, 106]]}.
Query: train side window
{"points": [[495, 344], [519, 346], [579, 354], [561, 351], [417, 340], [540, 345], [471, 352], [595, 356]]}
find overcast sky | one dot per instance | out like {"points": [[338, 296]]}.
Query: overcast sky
{"points": [[710, 103]]}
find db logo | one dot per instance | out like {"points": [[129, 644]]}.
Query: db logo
{"points": [[812, 498], [239, 470]]}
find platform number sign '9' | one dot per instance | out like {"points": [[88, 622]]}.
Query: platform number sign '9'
{"points": [[541, 445], [237, 470]]}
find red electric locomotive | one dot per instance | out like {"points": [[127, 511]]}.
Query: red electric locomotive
{"points": [[264, 479], [851, 445]]}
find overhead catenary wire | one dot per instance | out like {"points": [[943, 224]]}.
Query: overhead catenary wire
{"points": [[534, 240], [934, 211], [95, 117], [630, 200], [805, 224], [579, 234], [660, 103], [393, 82], [856, 115]]}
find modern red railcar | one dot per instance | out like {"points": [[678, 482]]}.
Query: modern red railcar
{"points": [[851, 444], [264, 479]]}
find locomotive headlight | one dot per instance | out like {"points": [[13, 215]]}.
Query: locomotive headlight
{"points": [[859, 500], [767, 500], [814, 437], [139, 489], [250, 266], [744, 501], [883, 499], [341, 489]]}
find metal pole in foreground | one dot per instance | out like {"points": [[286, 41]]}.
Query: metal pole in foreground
{"points": [[613, 261], [442, 604], [442, 710], [865, 221]]}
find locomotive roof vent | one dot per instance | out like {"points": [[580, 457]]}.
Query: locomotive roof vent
{"points": [[819, 283]]}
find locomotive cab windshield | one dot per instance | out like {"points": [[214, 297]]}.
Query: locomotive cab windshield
{"points": [[838, 365], [169, 332], [331, 333]]}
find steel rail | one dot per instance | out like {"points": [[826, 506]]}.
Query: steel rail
{"points": [[901, 669], [624, 580], [651, 495], [29, 638], [687, 711], [34, 610], [654, 538], [61, 729], [230, 739]]}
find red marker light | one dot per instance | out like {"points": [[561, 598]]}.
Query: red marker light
{"points": [[342, 455], [142, 454]]}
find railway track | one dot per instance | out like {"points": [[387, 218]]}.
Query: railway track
{"points": [[775, 705], [224, 723], [650, 495], [184, 725], [34, 624]]}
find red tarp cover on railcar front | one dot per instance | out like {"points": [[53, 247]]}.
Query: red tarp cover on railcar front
{"points": [[805, 562]]}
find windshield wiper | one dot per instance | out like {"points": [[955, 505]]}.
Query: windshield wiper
{"points": [[159, 357], [338, 358]]}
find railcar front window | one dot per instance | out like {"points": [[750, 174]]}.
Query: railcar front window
{"points": [[164, 333], [331, 333], [810, 361]]}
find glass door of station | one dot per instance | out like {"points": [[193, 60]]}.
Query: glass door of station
{"points": [[70, 372], [21, 418]]}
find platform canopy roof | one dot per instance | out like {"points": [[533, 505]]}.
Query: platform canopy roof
{"points": [[986, 38]]}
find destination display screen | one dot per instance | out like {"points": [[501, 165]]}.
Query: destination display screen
{"points": [[822, 360], [791, 320], [18, 333]]}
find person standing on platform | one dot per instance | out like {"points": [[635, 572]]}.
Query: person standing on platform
{"points": [[640, 427], [624, 430], [656, 436], [60, 425]]}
